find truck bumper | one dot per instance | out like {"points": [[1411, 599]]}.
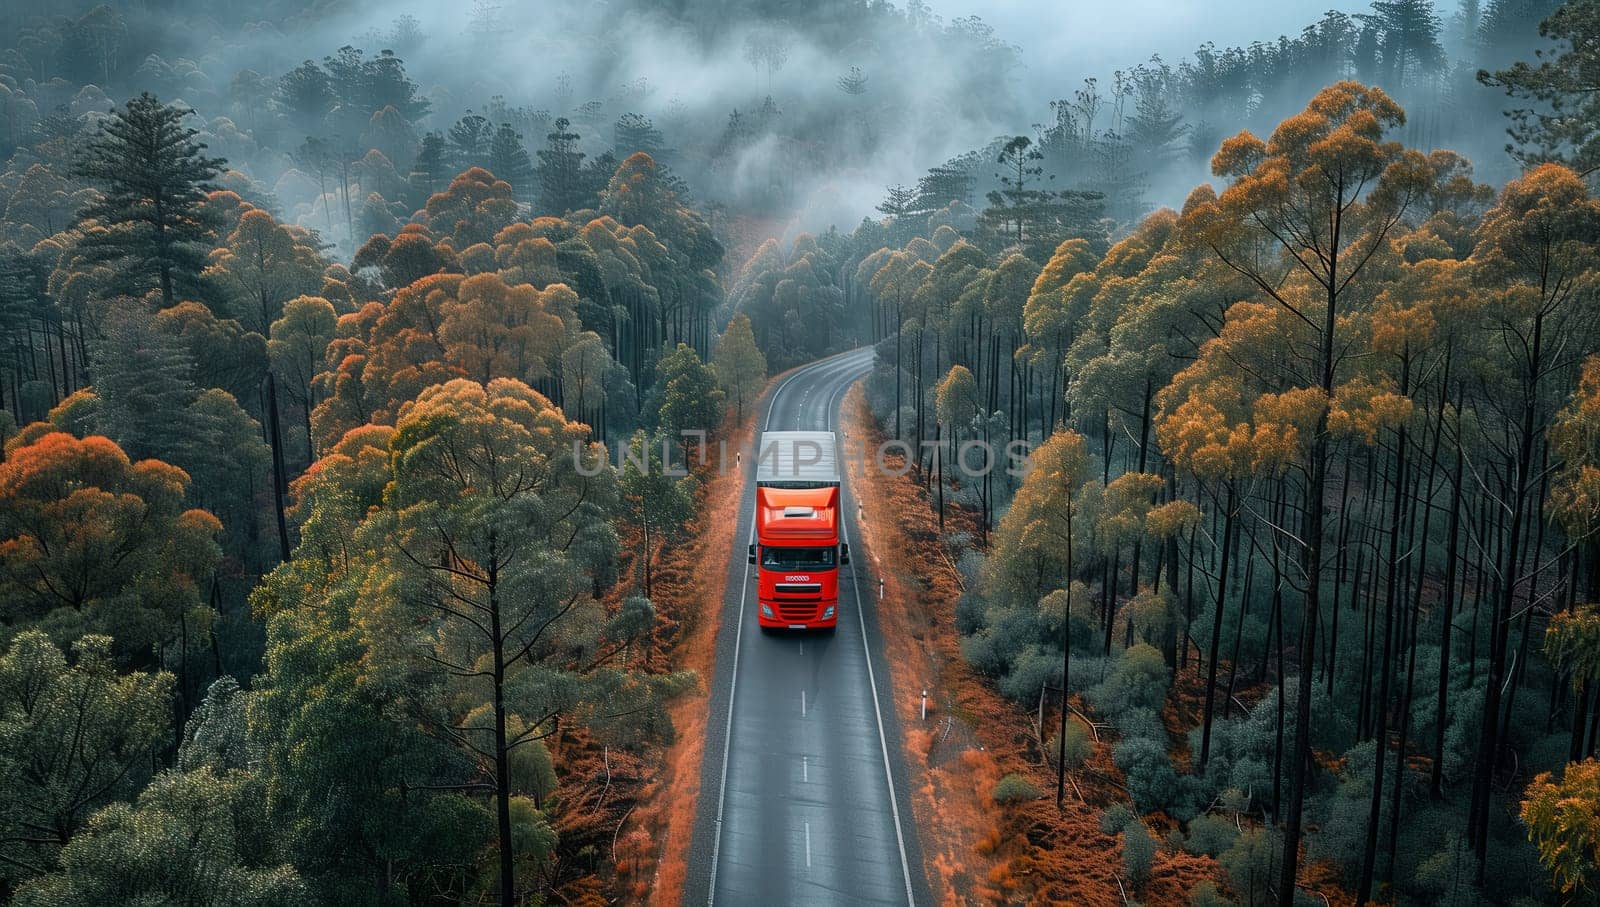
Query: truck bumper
{"points": [[770, 618]]}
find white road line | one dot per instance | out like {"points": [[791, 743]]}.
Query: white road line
{"points": [[805, 770], [802, 703], [808, 845], [733, 677], [883, 742]]}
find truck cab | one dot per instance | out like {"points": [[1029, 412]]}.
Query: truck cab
{"points": [[798, 548]]}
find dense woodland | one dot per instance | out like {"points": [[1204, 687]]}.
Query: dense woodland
{"points": [[301, 600]]}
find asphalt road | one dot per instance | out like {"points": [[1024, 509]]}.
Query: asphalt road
{"points": [[803, 795]]}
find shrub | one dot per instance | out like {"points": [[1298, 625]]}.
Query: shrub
{"points": [[1114, 817], [1152, 781], [1014, 788], [1206, 894], [1174, 841], [1251, 865], [1210, 835], [1080, 746], [1445, 878], [1141, 722], [1138, 852], [1139, 680], [1031, 669]]}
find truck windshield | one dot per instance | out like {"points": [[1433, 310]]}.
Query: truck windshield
{"points": [[776, 558]]}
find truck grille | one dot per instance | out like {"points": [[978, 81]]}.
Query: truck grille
{"points": [[795, 590], [799, 612]]}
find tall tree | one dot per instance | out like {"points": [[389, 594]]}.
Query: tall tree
{"points": [[430, 172], [496, 540], [508, 160], [1317, 201], [656, 499], [1561, 93], [560, 171], [1538, 243], [153, 176], [73, 737], [690, 398], [740, 366], [92, 542]]}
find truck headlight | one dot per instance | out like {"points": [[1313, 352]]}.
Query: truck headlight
{"points": [[766, 610], [828, 613]]}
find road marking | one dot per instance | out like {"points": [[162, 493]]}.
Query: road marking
{"points": [[733, 676], [802, 703], [883, 742], [805, 770], [808, 845]]}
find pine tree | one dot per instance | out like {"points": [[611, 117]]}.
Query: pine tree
{"points": [[469, 141], [154, 177], [1559, 105], [143, 379], [1014, 202], [509, 160], [1156, 129], [431, 171], [634, 132], [560, 171], [940, 186], [1410, 37], [898, 202]]}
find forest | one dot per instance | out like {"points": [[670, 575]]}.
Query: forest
{"points": [[308, 311]]}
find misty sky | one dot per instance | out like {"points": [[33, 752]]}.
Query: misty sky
{"points": [[1064, 40]]}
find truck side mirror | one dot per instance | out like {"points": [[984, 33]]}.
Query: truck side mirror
{"points": [[844, 553], [752, 554]]}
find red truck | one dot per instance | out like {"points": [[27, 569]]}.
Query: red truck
{"points": [[798, 550]]}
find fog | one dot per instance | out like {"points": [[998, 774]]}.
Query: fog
{"points": [[1063, 42], [751, 99]]}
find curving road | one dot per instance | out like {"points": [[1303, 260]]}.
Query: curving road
{"points": [[803, 797]]}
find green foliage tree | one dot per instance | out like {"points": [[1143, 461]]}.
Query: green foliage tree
{"points": [[191, 837], [690, 398], [560, 171], [487, 475], [143, 382], [73, 737], [740, 366], [1015, 788], [1138, 852], [1561, 117], [655, 501], [430, 170], [508, 159], [146, 225], [297, 349]]}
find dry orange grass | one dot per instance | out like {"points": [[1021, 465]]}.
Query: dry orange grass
{"points": [[689, 581]]}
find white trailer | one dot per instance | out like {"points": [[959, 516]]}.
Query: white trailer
{"points": [[798, 459]]}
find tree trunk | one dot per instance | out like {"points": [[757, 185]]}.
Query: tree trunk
{"points": [[1216, 628], [280, 483], [502, 755]]}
